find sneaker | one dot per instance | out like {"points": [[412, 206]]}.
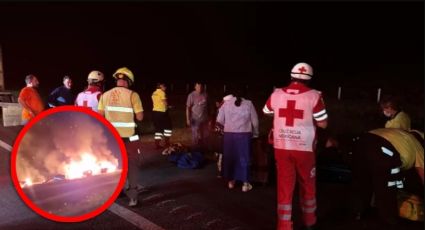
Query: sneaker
{"points": [[231, 184], [246, 187], [132, 203]]}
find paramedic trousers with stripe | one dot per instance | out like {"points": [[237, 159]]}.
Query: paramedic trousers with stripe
{"points": [[295, 166]]}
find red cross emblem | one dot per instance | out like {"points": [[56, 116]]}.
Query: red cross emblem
{"points": [[302, 69], [85, 104], [290, 113]]}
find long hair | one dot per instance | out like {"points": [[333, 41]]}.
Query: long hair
{"points": [[237, 92]]}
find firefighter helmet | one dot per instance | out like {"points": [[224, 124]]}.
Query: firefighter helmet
{"points": [[126, 72], [95, 76], [302, 71]]}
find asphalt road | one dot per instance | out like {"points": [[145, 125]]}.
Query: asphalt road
{"points": [[74, 197], [190, 199]]}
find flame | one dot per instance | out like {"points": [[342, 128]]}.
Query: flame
{"points": [[28, 182], [88, 165]]}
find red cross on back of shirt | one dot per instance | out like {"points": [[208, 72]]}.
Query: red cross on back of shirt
{"points": [[85, 104], [290, 113]]}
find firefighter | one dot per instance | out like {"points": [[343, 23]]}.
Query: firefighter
{"points": [[297, 110], [160, 116], [119, 105], [90, 97], [386, 160]]}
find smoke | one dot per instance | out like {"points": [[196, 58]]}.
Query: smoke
{"points": [[60, 138]]}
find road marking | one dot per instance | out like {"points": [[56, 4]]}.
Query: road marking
{"points": [[212, 222], [235, 228], [193, 215], [178, 208], [159, 195], [130, 216], [5, 146], [165, 202], [134, 218]]}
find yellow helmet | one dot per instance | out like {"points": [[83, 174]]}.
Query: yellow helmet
{"points": [[126, 72]]}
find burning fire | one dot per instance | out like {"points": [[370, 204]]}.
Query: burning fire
{"points": [[28, 182], [88, 165]]}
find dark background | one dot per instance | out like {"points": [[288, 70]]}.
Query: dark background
{"points": [[362, 44]]}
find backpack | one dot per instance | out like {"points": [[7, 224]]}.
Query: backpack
{"points": [[187, 160], [410, 206]]}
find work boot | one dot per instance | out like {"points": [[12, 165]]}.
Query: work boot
{"points": [[132, 203]]}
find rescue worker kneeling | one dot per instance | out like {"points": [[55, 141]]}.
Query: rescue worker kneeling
{"points": [[119, 105], [382, 160]]}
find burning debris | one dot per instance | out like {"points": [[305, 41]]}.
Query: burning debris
{"points": [[88, 165], [73, 145]]}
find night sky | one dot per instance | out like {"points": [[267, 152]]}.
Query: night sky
{"points": [[180, 42]]}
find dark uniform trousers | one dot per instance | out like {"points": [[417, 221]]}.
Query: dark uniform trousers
{"points": [[373, 173], [134, 157]]}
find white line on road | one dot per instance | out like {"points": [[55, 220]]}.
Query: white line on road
{"points": [[5, 146], [212, 222], [165, 202], [159, 195], [178, 208], [193, 215], [133, 217]]}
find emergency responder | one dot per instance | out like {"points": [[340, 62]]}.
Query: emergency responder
{"points": [[386, 160], [397, 118], [297, 109], [62, 95], [160, 116], [90, 96], [119, 105], [30, 99]]}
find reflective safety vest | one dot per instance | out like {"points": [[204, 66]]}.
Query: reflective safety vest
{"points": [[293, 124], [410, 149], [119, 110], [157, 100], [88, 99]]}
